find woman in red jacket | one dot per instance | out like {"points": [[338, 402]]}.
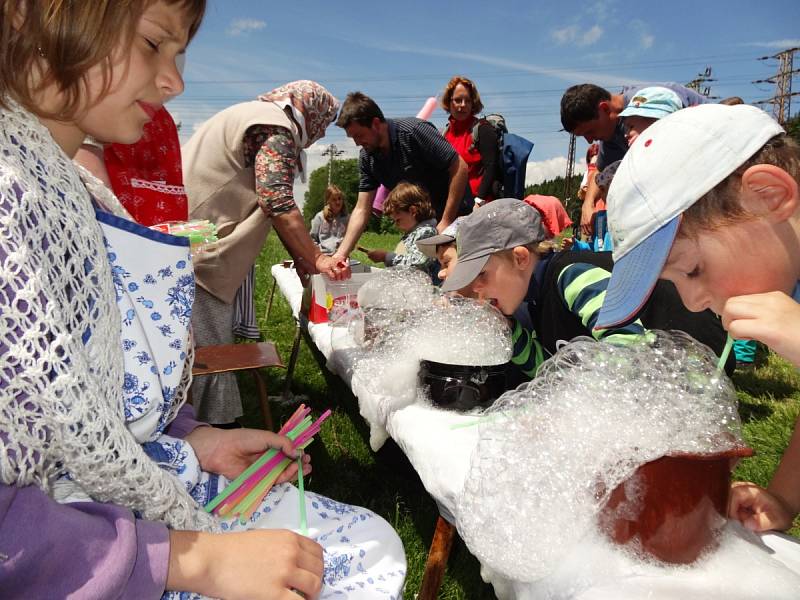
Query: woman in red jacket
{"points": [[462, 101]]}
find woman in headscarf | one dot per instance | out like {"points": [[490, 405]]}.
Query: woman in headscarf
{"points": [[239, 169]]}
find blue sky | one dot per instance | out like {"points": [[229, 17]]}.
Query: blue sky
{"points": [[522, 55]]}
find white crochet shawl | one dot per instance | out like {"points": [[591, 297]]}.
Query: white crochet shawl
{"points": [[61, 365]]}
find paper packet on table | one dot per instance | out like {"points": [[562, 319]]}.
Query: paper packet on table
{"points": [[201, 232]]}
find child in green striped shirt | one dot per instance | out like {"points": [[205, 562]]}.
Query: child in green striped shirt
{"points": [[549, 297]]}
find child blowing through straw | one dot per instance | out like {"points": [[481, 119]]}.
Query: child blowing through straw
{"points": [[502, 259], [409, 206], [708, 198]]}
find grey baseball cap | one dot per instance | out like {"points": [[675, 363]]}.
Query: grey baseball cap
{"points": [[499, 225], [428, 245]]}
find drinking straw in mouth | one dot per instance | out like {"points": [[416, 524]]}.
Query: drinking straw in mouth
{"points": [[302, 495], [723, 358]]}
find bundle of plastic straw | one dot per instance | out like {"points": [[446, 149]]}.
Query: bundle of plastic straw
{"points": [[244, 494]]}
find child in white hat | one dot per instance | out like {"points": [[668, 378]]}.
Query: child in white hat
{"points": [[708, 199]]}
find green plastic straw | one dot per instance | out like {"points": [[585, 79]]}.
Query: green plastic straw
{"points": [[302, 426], [302, 495], [246, 503], [723, 358]]}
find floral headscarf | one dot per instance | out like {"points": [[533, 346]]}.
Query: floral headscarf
{"points": [[313, 107]]}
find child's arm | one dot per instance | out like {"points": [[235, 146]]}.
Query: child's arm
{"points": [[777, 506], [583, 288], [250, 564], [772, 318], [527, 352]]}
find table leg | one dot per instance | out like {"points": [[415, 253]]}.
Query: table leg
{"points": [[263, 400], [269, 302], [287, 386], [437, 560]]}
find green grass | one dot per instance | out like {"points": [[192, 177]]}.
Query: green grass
{"points": [[346, 469]]}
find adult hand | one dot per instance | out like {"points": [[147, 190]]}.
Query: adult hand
{"points": [[228, 452], [377, 255], [772, 318], [334, 267], [757, 508], [587, 219], [442, 225], [250, 565]]}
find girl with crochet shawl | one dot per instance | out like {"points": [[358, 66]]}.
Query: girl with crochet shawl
{"points": [[95, 355]]}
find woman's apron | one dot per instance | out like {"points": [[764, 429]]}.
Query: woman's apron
{"points": [[154, 283]]}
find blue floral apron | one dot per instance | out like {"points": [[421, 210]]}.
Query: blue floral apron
{"points": [[154, 283]]}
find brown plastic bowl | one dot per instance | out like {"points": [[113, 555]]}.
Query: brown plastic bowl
{"points": [[676, 505]]}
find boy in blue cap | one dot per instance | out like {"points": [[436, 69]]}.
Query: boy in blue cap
{"points": [[708, 199]]}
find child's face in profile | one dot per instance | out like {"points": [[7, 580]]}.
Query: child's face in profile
{"points": [[748, 257], [405, 220], [448, 257], [504, 280], [142, 79]]}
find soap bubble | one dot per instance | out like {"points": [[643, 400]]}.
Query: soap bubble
{"points": [[551, 451], [404, 319]]}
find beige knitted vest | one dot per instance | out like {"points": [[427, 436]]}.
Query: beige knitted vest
{"points": [[222, 190]]}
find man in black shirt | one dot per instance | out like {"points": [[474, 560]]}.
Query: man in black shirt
{"points": [[395, 150]]}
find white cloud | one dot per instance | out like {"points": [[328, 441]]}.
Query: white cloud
{"points": [[542, 170], [565, 74], [777, 44], [240, 26], [646, 39], [572, 34], [565, 35], [591, 36]]}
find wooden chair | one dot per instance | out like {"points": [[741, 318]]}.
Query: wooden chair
{"points": [[227, 358]]}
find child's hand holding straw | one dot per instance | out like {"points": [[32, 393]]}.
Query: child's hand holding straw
{"points": [[229, 452], [246, 492]]}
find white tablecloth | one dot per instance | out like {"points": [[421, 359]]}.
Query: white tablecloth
{"points": [[441, 456]]}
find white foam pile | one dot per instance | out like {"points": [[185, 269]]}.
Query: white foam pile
{"points": [[402, 320], [740, 568], [550, 452]]}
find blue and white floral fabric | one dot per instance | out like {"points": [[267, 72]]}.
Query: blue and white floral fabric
{"points": [[152, 273]]}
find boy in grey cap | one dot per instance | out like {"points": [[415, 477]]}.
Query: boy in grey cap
{"points": [[502, 259]]}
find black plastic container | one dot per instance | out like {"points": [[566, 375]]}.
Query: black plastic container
{"points": [[461, 387]]}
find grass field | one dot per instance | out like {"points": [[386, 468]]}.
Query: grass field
{"points": [[346, 469]]}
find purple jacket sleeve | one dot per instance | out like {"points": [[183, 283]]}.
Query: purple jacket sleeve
{"points": [[81, 550], [184, 423]]}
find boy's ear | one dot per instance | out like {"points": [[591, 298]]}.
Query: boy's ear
{"points": [[522, 257], [770, 191]]}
